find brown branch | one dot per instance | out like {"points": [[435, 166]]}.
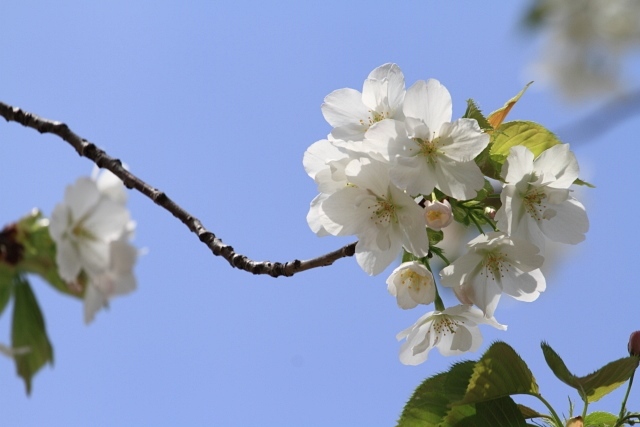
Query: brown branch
{"points": [[99, 157]]}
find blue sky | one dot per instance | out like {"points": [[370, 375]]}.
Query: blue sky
{"points": [[215, 104]]}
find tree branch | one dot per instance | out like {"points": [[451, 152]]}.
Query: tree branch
{"points": [[99, 157], [604, 118]]}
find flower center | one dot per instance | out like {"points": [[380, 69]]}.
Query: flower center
{"points": [[384, 213], [444, 325], [414, 279], [375, 117], [428, 149], [494, 265], [434, 215], [533, 203]]}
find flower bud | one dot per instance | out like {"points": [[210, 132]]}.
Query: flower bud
{"points": [[490, 212], [634, 344], [412, 284], [437, 214]]}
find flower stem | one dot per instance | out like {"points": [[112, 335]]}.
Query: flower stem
{"points": [[438, 301], [623, 408], [555, 416]]}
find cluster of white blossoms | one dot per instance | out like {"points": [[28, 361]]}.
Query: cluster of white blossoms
{"points": [[92, 230], [586, 43], [391, 171]]}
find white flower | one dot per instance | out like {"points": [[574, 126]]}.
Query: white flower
{"points": [[82, 226], [325, 163], [383, 217], [351, 113], [496, 264], [427, 150], [110, 185], [117, 279], [412, 284], [437, 214], [453, 331], [535, 198]]}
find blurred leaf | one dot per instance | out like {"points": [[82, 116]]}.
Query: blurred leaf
{"points": [[28, 330], [585, 183], [537, 14], [500, 372], [496, 118], [40, 253], [430, 402], [473, 112], [6, 285], [601, 419], [502, 412]]}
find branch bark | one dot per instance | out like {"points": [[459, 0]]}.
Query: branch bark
{"points": [[89, 150]]}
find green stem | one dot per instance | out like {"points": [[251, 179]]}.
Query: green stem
{"points": [[473, 219], [623, 408], [555, 416], [438, 301], [584, 410], [438, 252]]}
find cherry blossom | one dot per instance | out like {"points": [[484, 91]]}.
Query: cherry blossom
{"points": [[82, 226], [536, 200], [412, 284], [453, 331], [496, 264], [427, 150], [383, 217]]}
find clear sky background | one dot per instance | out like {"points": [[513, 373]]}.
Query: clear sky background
{"points": [[215, 103]]}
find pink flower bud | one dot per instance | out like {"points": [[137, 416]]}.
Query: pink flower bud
{"points": [[634, 344], [438, 215], [490, 212]]}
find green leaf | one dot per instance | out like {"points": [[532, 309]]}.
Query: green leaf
{"points": [[608, 378], [435, 237], [594, 386], [500, 372], [459, 213], [502, 412], [484, 192], [40, 254], [535, 137], [585, 183], [28, 330], [559, 368], [529, 413], [489, 168], [6, 285], [430, 402], [601, 419], [473, 112]]}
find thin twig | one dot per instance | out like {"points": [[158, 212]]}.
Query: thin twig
{"points": [[99, 157]]}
